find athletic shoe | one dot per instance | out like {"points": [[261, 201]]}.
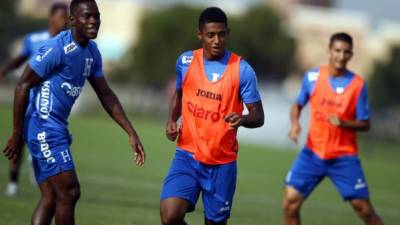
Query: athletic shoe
{"points": [[12, 189]]}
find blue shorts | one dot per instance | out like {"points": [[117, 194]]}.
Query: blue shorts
{"points": [[188, 177], [50, 150], [345, 173]]}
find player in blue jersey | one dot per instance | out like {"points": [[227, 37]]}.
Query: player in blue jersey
{"points": [[204, 71], [57, 20], [44, 96]]}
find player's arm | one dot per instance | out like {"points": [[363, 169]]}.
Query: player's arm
{"points": [[28, 80], [175, 110], [302, 99], [295, 128], [12, 64], [248, 92], [114, 108], [254, 119], [357, 125], [361, 122]]}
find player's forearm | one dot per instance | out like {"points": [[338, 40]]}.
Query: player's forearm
{"points": [[13, 64], [175, 107], [20, 104], [357, 125], [295, 113], [255, 118]]}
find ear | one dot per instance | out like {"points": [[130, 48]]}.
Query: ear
{"points": [[72, 20], [199, 35]]}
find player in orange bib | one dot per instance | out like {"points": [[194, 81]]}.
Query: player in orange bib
{"points": [[212, 86], [339, 108]]}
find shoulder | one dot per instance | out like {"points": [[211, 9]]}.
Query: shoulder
{"points": [[245, 67], [37, 36], [185, 59], [312, 74]]}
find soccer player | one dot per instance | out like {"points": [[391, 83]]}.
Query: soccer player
{"points": [[57, 21], [212, 85], [339, 108], [44, 95]]}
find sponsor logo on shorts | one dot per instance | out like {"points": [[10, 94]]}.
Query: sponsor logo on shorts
{"points": [[360, 184], [65, 155], [44, 100], [227, 207], [70, 90], [45, 148]]}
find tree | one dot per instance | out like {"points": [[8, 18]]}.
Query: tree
{"points": [[385, 81], [13, 26], [258, 36], [164, 35]]}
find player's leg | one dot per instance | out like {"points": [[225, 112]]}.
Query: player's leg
{"points": [[45, 209], [173, 211], [306, 173], [366, 212], [292, 202], [180, 190], [218, 188], [66, 187], [14, 169], [347, 175]]}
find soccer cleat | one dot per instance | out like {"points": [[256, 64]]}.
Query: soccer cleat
{"points": [[11, 189]]}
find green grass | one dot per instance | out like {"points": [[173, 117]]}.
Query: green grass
{"points": [[115, 191]]}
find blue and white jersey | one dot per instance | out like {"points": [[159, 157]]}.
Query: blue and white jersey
{"points": [[215, 69], [33, 41], [64, 66], [339, 84]]}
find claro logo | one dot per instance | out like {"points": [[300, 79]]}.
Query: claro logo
{"points": [[44, 100], [70, 90], [203, 113]]}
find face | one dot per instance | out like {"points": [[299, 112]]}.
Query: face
{"points": [[58, 21], [340, 53], [213, 37], [86, 20]]}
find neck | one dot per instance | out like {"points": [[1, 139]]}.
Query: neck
{"points": [[208, 56], [336, 72], [78, 38], [53, 32]]}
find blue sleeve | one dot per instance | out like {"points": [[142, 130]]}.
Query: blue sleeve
{"points": [[178, 71], [248, 84], [47, 58], [307, 87], [98, 64], [362, 105], [26, 47]]}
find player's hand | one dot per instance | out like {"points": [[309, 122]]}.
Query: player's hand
{"points": [[334, 120], [139, 154], [172, 130], [13, 147], [295, 132], [233, 119]]}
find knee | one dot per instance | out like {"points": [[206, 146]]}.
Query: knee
{"points": [[169, 217], [291, 205], [363, 208], [70, 195]]}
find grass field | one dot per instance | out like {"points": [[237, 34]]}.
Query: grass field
{"points": [[116, 192]]}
